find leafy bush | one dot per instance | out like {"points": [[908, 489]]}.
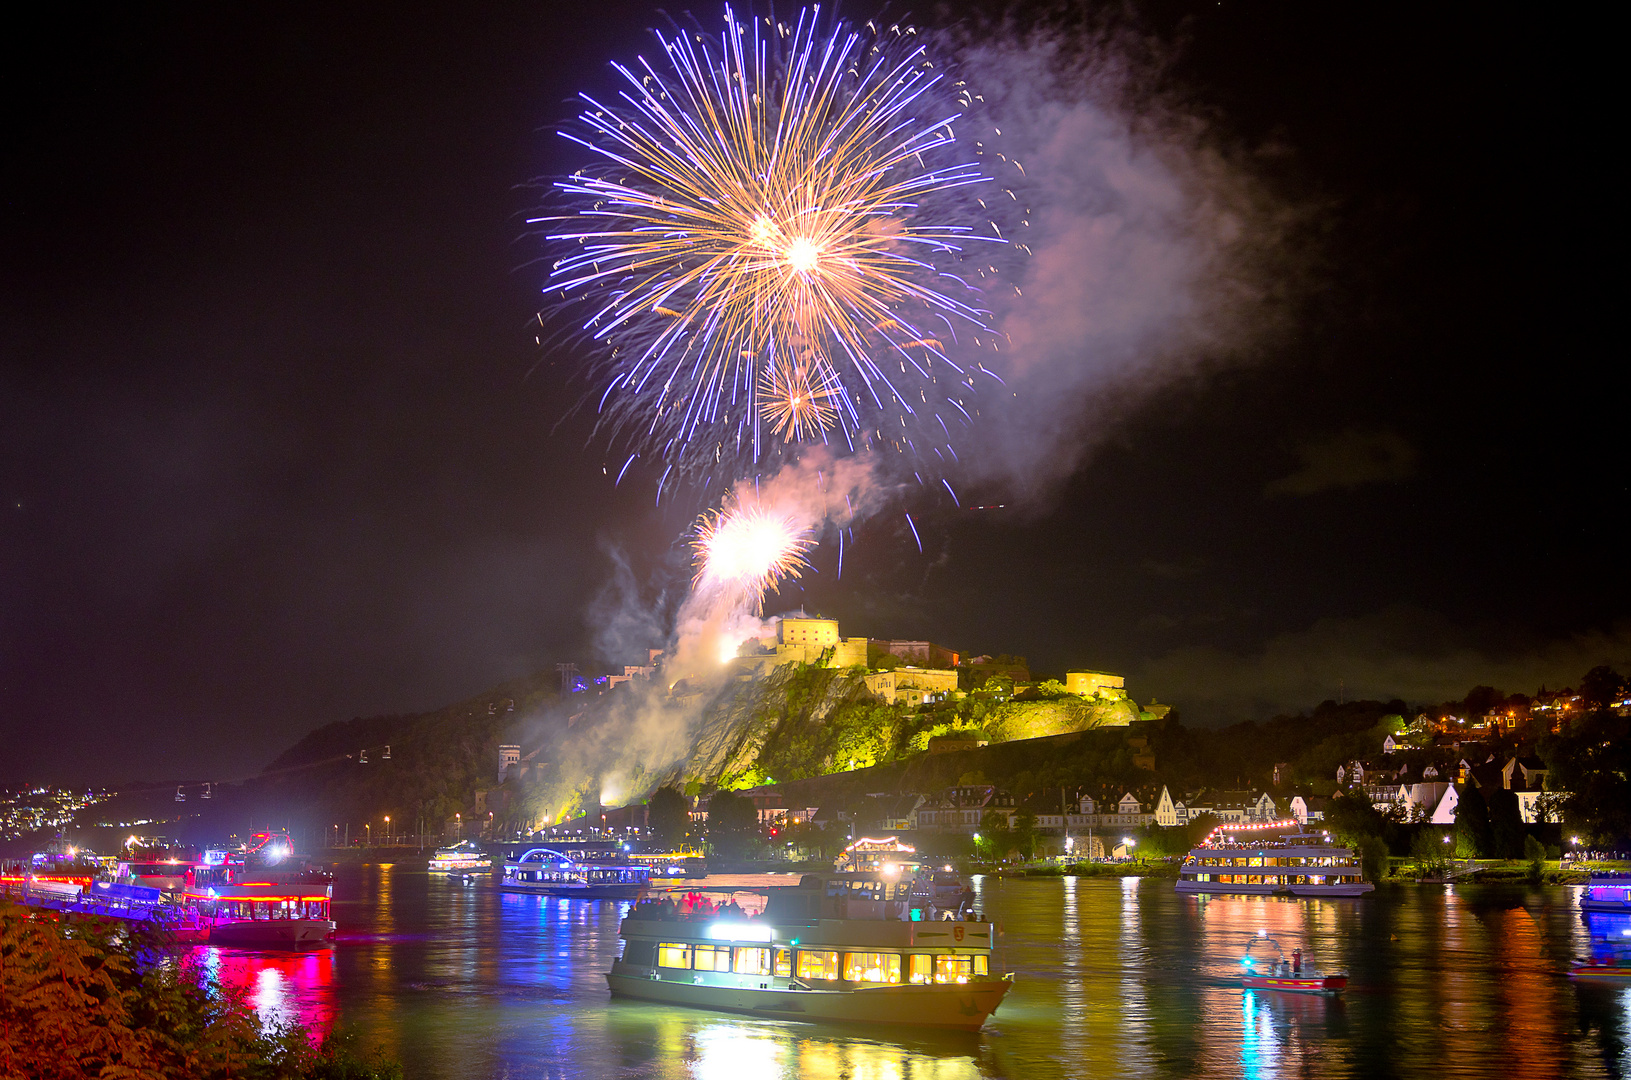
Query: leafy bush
{"points": [[1373, 858], [1534, 852], [92, 998]]}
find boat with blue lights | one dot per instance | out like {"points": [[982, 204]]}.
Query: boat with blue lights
{"points": [[1608, 891], [547, 872], [843, 947], [1252, 860]]}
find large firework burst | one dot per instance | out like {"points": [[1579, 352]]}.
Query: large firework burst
{"points": [[783, 206], [747, 550]]}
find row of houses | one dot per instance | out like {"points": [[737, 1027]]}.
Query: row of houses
{"points": [[963, 809]]}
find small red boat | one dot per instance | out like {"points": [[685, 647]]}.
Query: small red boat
{"points": [[1289, 976], [1297, 984], [1610, 972]]}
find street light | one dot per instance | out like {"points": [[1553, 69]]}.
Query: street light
{"points": [[387, 829]]}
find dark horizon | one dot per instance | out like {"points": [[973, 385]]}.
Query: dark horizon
{"points": [[279, 448]]}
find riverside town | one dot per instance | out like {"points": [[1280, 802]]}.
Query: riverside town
{"points": [[745, 541]]}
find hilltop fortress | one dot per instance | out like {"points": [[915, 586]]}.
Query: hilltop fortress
{"points": [[904, 672]]}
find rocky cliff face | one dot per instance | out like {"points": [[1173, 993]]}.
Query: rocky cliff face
{"points": [[1036, 719], [802, 721], [731, 735]]}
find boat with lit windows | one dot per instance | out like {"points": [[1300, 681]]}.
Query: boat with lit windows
{"points": [[668, 865], [1270, 860], [941, 886], [857, 947], [465, 857], [1608, 891], [1284, 974], [547, 872], [264, 914]]}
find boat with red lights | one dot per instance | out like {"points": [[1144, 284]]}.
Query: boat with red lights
{"points": [[1271, 859], [264, 914], [1286, 974], [855, 948], [1610, 971]]}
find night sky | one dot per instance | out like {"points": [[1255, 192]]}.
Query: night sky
{"points": [[278, 448]]}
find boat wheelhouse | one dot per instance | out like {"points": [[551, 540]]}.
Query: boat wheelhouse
{"points": [[1608, 891], [265, 914], [1252, 860], [548, 872], [836, 947], [465, 857]]}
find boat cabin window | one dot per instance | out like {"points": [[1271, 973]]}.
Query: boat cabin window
{"points": [[711, 957], [752, 961], [920, 968], [673, 955], [784, 963], [873, 967], [818, 964], [953, 969], [982, 964], [639, 953]]}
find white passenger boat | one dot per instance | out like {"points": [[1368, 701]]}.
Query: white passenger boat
{"points": [[548, 872], [835, 947], [465, 857], [1249, 860]]}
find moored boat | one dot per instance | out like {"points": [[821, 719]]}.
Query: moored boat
{"points": [[1250, 860], [547, 872], [835, 947], [265, 914]]}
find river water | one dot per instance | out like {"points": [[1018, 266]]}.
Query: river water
{"points": [[1115, 978]]}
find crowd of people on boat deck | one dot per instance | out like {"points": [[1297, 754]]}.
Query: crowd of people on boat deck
{"points": [[689, 906]]}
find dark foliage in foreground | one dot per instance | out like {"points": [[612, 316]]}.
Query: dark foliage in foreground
{"points": [[94, 998]]}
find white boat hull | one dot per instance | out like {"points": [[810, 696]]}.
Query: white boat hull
{"points": [[962, 1006], [272, 933], [1358, 888]]}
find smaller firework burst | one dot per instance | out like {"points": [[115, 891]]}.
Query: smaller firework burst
{"points": [[750, 550], [795, 399]]}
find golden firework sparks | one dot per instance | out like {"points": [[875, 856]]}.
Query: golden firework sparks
{"points": [[795, 398]]}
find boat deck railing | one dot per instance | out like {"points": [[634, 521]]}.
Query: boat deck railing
{"points": [[160, 912]]}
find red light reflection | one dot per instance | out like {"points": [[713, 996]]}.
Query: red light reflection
{"points": [[282, 988]]}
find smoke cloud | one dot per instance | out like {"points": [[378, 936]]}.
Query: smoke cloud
{"points": [[1155, 252]]}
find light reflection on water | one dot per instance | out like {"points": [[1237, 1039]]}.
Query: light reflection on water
{"points": [[1115, 978], [283, 987]]}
